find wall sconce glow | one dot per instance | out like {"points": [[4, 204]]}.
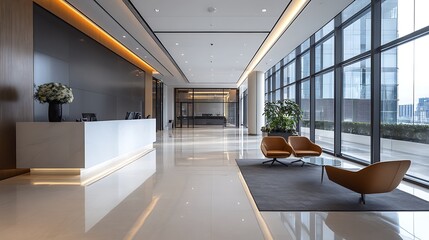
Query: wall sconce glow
{"points": [[292, 11], [69, 14]]}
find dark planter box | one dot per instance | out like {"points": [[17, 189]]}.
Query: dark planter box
{"points": [[285, 135]]}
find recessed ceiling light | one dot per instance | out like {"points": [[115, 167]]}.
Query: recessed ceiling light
{"points": [[156, 10], [264, 10], [124, 36], [137, 48], [182, 54], [177, 44], [211, 9], [186, 61]]}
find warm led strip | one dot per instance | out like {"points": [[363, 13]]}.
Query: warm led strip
{"points": [[284, 22], [262, 224], [142, 219], [69, 14]]}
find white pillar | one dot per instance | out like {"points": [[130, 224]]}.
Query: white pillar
{"points": [[255, 90]]}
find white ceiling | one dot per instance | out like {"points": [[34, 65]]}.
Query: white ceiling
{"points": [[191, 45]]}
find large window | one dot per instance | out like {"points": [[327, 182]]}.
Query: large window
{"points": [[405, 101], [289, 73], [388, 99], [305, 107], [357, 37], [402, 17], [289, 92], [356, 125], [305, 64], [325, 54], [324, 84]]}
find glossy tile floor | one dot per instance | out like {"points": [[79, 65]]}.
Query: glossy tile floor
{"points": [[188, 188]]}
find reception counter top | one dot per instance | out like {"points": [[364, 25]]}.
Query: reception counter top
{"points": [[81, 145]]}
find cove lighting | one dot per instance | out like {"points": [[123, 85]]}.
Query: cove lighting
{"points": [[292, 11], [68, 13]]}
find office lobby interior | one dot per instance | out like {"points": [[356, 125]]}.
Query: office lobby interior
{"points": [[167, 102]]}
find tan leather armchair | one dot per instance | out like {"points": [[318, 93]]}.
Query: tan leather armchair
{"points": [[275, 147], [379, 177], [304, 147]]}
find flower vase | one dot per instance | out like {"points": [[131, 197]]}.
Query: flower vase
{"points": [[55, 112]]}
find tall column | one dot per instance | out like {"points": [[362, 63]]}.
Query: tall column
{"points": [[148, 97], [255, 90]]}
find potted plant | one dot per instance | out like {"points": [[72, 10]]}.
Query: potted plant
{"points": [[281, 118]]}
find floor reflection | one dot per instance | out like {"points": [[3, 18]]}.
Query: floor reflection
{"points": [[47, 211], [338, 225]]}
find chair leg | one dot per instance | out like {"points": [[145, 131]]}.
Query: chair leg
{"points": [[299, 160], [274, 160], [362, 198]]}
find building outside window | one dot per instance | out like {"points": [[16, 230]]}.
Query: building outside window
{"points": [[400, 78]]}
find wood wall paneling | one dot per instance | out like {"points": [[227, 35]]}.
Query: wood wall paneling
{"points": [[16, 74]]}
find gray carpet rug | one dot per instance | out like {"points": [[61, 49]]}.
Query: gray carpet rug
{"points": [[296, 188]]}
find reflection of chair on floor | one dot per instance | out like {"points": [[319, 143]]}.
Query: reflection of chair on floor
{"points": [[379, 177], [304, 147], [275, 147]]}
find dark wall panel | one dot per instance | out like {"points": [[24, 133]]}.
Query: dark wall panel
{"points": [[16, 74], [102, 82]]}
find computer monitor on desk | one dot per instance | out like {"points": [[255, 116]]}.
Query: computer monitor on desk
{"points": [[133, 115], [89, 117]]}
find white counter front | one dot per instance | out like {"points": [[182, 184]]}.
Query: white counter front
{"points": [[81, 144]]}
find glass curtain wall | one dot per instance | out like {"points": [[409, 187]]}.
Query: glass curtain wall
{"points": [[203, 107], [324, 128], [334, 75], [405, 121]]}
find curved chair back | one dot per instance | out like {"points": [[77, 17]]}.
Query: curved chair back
{"points": [[383, 176], [303, 146], [275, 143], [376, 178]]}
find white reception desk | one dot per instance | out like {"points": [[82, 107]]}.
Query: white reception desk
{"points": [[82, 145]]}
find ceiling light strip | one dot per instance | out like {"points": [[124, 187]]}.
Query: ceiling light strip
{"points": [[292, 11], [68, 13]]}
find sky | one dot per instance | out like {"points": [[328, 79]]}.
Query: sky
{"points": [[413, 63]]}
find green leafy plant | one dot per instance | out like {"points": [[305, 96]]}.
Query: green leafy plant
{"points": [[54, 93], [281, 116]]}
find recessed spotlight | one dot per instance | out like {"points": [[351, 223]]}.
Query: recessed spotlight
{"points": [[137, 48], [124, 36], [211, 9], [156, 10], [177, 44], [186, 61], [182, 54], [264, 10]]}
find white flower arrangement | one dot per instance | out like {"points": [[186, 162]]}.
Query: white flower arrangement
{"points": [[54, 93]]}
